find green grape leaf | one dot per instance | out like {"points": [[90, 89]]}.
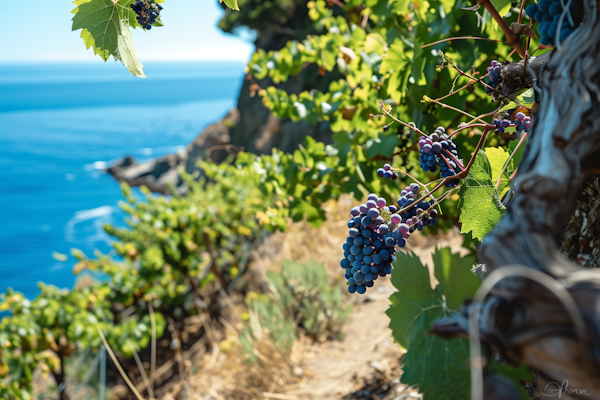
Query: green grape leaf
{"points": [[454, 275], [497, 158], [481, 208], [440, 367], [399, 67], [503, 6], [233, 4], [384, 145], [105, 28]]}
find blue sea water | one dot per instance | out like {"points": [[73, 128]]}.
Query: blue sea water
{"points": [[61, 124]]}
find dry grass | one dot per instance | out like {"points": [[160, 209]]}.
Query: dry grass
{"points": [[302, 242]]}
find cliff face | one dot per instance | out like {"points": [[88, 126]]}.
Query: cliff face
{"points": [[250, 126]]}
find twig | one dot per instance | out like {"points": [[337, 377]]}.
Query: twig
{"points": [[458, 163], [512, 37], [521, 11], [398, 170], [462, 128], [429, 99], [363, 23], [140, 366], [510, 158], [152, 348], [463, 38], [180, 361], [118, 365], [414, 128]]}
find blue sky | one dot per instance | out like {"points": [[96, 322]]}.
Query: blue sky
{"points": [[40, 31]]}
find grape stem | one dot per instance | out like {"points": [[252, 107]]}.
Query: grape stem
{"points": [[398, 170], [444, 197], [466, 127], [508, 160], [461, 175], [480, 80], [458, 164]]}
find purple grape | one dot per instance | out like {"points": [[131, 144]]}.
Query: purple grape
{"points": [[381, 202], [371, 204], [387, 167], [396, 219], [355, 211], [373, 213]]}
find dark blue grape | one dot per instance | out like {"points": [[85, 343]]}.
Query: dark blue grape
{"points": [[361, 289], [352, 288], [531, 10]]}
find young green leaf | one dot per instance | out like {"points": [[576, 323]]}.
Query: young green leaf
{"points": [[481, 208]]}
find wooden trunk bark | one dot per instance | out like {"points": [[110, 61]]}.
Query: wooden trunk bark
{"points": [[521, 319]]}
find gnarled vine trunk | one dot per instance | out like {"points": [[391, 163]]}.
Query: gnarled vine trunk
{"points": [[521, 319]]}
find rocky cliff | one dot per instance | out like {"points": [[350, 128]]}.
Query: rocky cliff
{"points": [[250, 126]]}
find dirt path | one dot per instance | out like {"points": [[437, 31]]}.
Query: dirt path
{"points": [[366, 364]]}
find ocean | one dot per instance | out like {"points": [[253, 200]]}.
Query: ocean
{"points": [[61, 125]]}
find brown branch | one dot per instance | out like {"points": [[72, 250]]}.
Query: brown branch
{"points": [[511, 37]]}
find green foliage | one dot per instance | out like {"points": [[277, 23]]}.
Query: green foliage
{"points": [[173, 246], [233, 4], [56, 320], [440, 367], [481, 208]]}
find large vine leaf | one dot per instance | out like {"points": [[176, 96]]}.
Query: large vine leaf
{"points": [[481, 208], [497, 158], [440, 367], [105, 28]]}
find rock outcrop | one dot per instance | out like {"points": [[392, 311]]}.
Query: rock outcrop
{"points": [[248, 127]]}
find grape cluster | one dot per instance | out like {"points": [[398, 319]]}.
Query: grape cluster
{"points": [[418, 216], [495, 79], [386, 172], [375, 230], [548, 12], [501, 124], [371, 244], [437, 150], [147, 11], [522, 122]]}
